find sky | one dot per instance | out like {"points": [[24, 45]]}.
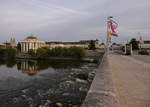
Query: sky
{"points": [[73, 20]]}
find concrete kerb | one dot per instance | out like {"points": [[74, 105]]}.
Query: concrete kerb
{"points": [[102, 92]]}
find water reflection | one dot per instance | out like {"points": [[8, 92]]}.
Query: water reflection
{"points": [[29, 67], [9, 62], [32, 67], [56, 81]]}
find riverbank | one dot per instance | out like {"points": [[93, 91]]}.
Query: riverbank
{"points": [[90, 56], [38, 83]]}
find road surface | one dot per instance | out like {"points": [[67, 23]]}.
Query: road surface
{"points": [[131, 78]]}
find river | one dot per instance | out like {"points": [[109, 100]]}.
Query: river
{"points": [[31, 83]]}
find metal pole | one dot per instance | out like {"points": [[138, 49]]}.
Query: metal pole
{"points": [[107, 42], [107, 38], [131, 48], [125, 49]]}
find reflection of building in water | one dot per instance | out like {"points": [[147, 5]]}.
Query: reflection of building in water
{"points": [[29, 67]]}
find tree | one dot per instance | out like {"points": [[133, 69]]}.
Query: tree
{"points": [[19, 47], [134, 44], [76, 52], [2, 52], [10, 53], [92, 45], [43, 53], [114, 43], [31, 52]]}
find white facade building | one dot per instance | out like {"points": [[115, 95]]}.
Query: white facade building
{"points": [[145, 45], [66, 44], [31, 43], [83, 44]]}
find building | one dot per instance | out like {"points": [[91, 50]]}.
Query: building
{"points": [[83, 44], [67, 44], [145, 44], [2, 45], [102, 46], [31, 43], [117, 46], [11, 44]]}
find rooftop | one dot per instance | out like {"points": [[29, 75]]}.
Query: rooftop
{"points": [[31, 37]]}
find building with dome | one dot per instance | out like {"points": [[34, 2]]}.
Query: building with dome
{"points": [[31, 43]]}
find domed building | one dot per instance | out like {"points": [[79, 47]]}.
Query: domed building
{"points": [[31, 43]]}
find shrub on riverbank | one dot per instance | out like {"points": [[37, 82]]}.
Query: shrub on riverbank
{"points": [[31, 52], [2, 52], [43, 53], [11, 53], [8, 53], [82, 75], [74, 52]]}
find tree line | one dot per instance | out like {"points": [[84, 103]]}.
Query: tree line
{"points": [[45, 52]]}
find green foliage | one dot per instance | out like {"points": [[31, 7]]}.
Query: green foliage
{"points": [[114, 43], [2, 52], [145, 48], [75, 52], [31, 52], [10, 53], [82, 75], [19, 47], [134, 44], [92, 45], [143, 52], [58, 51], [43, 53]]}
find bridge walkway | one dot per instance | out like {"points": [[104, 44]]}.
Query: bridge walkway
{"points": [[131, 79]]}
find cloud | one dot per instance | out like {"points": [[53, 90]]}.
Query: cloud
{"points": [[72, 20]]}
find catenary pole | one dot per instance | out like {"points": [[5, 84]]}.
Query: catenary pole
{"points": [[107, 38]]}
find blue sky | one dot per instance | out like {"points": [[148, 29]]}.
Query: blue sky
{"points": [[73, 20]]}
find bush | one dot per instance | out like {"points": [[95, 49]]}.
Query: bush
{"points": [[58, 52], [92, 45], [76, 52], [143, 52], [31, 52], [128, 52], [83, 75], [43, 53], [134, 43], [2, 52], [19, 47], [10, 53]]}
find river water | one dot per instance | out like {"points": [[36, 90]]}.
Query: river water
{"points": [[25, 83]]}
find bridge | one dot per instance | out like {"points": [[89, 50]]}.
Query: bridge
{"points": [[121, 81]]}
